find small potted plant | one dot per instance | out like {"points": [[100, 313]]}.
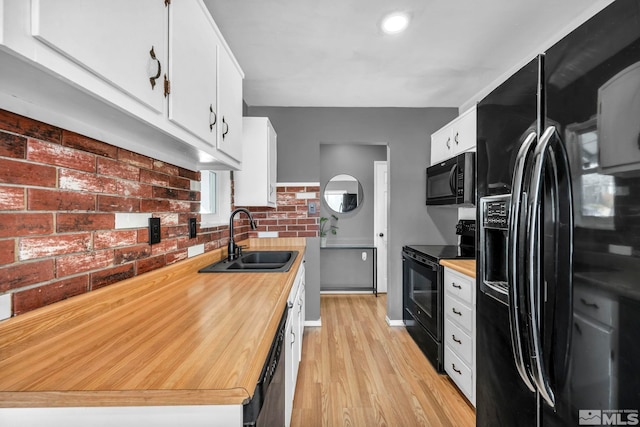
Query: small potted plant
{"points": [[327, 226]]}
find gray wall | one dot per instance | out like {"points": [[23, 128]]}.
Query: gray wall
{"points": [[407, 131], [355, 227], [344, 269]]}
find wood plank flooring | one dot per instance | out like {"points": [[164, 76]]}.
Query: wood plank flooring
{"points": [[357, 371]]}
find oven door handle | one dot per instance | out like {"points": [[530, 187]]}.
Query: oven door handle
{"points": [[515, 264]]}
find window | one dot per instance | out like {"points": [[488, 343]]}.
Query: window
{"points": [[594, 193], [215, 197], [209, 192]]}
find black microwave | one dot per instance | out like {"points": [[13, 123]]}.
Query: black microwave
{"points": [[453, 181]]}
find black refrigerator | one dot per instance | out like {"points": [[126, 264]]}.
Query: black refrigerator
{"points": [[558, 187]]}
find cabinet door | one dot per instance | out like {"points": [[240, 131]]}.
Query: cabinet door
{"points": [[112, 39], [272, 165], [463, 134], [441, 145], [193, 49], [288, 377], [230, 139], [618, 124]]}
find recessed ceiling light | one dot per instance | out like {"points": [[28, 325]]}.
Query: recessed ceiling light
{"points": [[395, 22]]}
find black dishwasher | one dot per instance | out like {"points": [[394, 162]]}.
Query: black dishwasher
{"points": [[266, 408]]}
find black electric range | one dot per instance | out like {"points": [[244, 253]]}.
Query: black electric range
{"points": [[438, 252], [422, 282]]}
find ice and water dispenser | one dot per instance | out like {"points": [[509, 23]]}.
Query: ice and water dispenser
{"points": [[494, 232]]}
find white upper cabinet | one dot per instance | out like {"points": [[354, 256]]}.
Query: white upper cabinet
{"points": [[193, 70], [255, 184], [127, 56], [618, 124], [231, 125], [150, 76], [455, 137]]}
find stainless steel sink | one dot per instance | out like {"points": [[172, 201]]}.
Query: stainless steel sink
{"points": [[255, 261]]}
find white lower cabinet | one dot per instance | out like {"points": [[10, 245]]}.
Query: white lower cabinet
{"points": [[295, 332], [460, 331]]}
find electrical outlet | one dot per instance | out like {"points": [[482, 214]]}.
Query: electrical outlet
{"points": [[312, 208], [154, 231], [193, 231]]}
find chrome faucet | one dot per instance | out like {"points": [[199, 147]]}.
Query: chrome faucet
{"points": [[233, 249]]}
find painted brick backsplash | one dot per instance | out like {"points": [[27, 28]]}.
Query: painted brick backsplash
{"points": [[290, 217], [59, 195]]}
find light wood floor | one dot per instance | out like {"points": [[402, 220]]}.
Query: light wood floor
{"points": [[357, 371]]}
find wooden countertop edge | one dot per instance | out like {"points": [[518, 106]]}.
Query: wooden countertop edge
{"points": [[464, 266], [60, 399], [45, 322]]}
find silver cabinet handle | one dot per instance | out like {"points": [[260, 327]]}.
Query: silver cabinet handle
{"points": [[514, 264], [153, 76], [225, 132], [456, 138], [213, 118], [589, 304], [453, 365], [448, 143]]}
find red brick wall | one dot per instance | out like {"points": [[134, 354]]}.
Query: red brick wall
{"points": [[59, 192], [290, 217]]}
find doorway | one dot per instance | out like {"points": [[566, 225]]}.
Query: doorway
{"points": [[380, 220]]}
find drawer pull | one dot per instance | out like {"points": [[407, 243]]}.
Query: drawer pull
{"points": [[589, 304], [456, 286], [459, 313], [456, 339], [453, 365]]}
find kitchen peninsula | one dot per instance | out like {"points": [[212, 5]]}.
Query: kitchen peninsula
{"points": [[182, 342]]}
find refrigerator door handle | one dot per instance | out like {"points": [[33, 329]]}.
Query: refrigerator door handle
{"points": [[552, 153], [514, 264]]}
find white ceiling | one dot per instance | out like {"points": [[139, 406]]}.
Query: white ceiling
{"points": [[331, 53]]}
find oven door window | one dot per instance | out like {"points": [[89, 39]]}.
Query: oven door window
{"points": [[424, 293]]}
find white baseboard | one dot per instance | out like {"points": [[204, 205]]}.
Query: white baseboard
{"points": [[313, 323], [366, 292], [394, 323]]}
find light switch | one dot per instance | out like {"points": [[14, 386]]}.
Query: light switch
{"points": [[312, 208], [364, 256]]}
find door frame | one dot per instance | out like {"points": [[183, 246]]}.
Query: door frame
{"points": [[381, 188]]}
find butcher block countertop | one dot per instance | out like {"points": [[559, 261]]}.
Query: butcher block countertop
{"points": [[172, 336], [464, 266]]}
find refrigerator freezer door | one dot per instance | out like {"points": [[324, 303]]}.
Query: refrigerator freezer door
{"points": [[506, 117]]}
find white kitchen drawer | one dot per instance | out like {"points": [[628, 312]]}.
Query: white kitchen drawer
{"points": [[458, 312], [459, 285], [458, 341], [595, 305], [460, 373]]}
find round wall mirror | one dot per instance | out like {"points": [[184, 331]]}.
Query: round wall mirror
{"points": [[343, 193]]}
